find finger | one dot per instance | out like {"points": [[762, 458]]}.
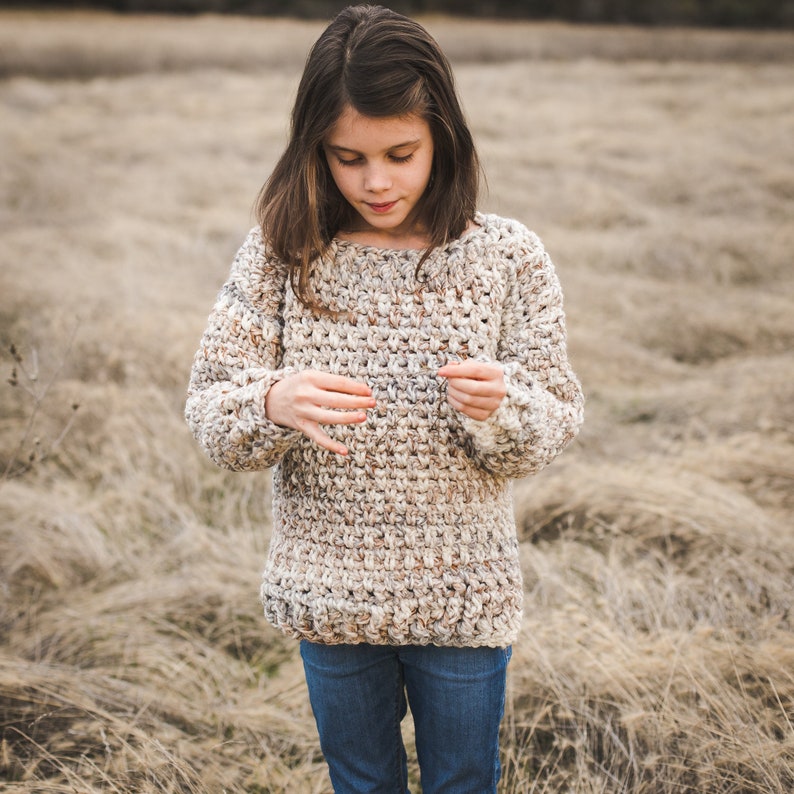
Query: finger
{"points": [[474, 370], [480, 414], [322, 416], [344, 401], [314, 432], [485, 406], [339, 383], [476, 388], [478, 399]]}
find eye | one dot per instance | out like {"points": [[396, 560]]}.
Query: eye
{"points": [[404, 159], [354, 161]]}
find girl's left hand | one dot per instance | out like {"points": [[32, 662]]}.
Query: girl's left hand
{"points": [[473, 387]]}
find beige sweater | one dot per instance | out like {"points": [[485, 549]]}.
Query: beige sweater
{"points": [[410, 539]]}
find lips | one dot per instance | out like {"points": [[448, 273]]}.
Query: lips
{"points": [[381, 208]]}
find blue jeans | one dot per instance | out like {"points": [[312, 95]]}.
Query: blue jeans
{"points": [[359, 696]]}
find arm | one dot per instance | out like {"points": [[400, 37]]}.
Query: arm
{"points": [[237, 362], [542, 407]]}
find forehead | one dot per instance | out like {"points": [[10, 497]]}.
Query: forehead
{"points": [[353, 130]]}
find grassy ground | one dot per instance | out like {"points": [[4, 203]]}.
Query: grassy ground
{"points": [[658, 552]]}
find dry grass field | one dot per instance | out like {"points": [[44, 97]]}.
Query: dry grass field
{"points": [[658, 166]]}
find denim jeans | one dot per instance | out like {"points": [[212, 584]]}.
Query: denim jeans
{"points": [[359, 695]]}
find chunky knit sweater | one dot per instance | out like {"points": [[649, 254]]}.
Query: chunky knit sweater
{"points": [[410, 538]]}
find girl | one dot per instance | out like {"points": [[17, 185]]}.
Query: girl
{"points": [[398, 358]]}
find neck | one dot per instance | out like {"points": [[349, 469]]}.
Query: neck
{"points": [[412, 234], [379, 239]]}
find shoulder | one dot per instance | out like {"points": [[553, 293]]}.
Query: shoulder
{"points": [[255, 267], [507, 244], [507, 234], [255, 253], [256, 281]]}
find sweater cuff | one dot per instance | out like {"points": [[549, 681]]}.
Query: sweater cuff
{"points": [[247, 403]]}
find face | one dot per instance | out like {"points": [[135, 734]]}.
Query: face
{"points": [[382, 167]]}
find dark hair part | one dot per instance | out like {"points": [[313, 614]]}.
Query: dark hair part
{"points": [[381, 64]]}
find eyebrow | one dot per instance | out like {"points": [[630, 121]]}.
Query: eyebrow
{"points": [[336, 148]]}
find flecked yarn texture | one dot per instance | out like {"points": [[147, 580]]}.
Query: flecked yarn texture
{"points": [[410, 539]]}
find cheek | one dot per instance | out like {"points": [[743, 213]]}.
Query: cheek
{"points": [[342, 179], [423, 179], [427, 166]]}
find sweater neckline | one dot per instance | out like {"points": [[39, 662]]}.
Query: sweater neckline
{"points": [[479, 220]]}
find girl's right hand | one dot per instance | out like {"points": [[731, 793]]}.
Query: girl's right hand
{"points": [[311, 398]]}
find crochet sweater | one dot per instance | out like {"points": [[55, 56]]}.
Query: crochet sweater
{"points": [[410, 538]]}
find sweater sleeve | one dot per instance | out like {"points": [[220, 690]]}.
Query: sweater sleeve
{"points": [[543, 407], [238, 360]]}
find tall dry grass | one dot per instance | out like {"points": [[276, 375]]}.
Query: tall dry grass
{"points": [[657, 653], [84, 44]]}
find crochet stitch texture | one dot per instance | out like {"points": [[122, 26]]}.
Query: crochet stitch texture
{"points": [[411, 538]]}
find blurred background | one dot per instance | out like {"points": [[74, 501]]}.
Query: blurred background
{"points": [[734, 13], [652, 152]]}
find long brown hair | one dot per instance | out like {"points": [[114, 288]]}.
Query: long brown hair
{"points": [[382, 64]]}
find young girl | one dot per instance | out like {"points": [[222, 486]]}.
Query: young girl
{"points": [[398, 358]]}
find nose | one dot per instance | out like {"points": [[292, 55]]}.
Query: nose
{"points": [[376, 178]]}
